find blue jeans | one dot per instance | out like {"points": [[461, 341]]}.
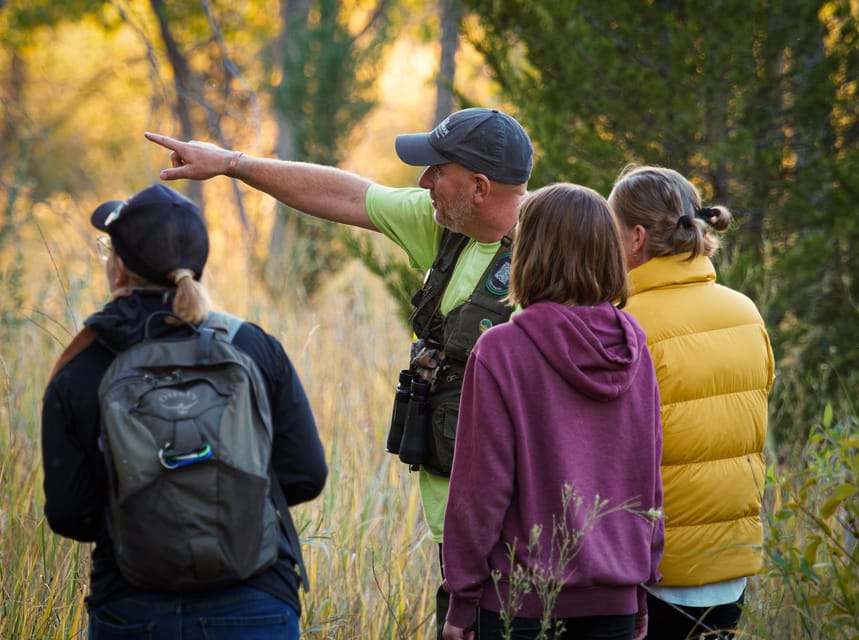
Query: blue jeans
{"points": [[234, 613]]}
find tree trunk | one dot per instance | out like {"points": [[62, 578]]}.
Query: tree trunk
{"points": [[451, 14], [183, 83], [293, 18]]}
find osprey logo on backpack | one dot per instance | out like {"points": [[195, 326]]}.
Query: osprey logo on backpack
{"points": [[179, 401], [186, 432]]}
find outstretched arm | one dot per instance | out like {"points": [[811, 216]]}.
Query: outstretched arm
{"points": [[324, 192]]}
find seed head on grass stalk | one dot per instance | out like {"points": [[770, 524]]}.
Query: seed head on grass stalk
{"points": [[548, 580]]}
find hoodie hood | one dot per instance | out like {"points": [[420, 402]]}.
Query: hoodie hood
{"points": [[597, 350], [123, 321]]}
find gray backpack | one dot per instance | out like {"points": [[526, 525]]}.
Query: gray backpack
{"points": [[186, 432]]}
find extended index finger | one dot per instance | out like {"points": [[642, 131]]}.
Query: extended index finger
{"points": [[164, 141]]}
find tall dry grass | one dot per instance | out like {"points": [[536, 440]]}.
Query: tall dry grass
{"points": [[372, 567]]}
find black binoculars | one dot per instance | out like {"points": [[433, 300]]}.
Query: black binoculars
{"points": [[408, 433], [399, 412]]}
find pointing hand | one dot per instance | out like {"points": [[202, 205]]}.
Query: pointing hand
{"points": [[192, 160]]}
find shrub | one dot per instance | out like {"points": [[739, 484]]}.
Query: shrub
{"points": [[811, 552]]}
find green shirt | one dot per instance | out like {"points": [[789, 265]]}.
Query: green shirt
{"points": [[406, 217]]}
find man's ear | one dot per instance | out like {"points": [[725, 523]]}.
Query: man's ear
{"points": [[482, 186]]}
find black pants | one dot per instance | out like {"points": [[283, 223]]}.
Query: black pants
{"points": [[666, 621], [442, 599], [490, 627]]}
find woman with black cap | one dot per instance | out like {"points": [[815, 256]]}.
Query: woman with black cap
{"points": [[155, 251]]}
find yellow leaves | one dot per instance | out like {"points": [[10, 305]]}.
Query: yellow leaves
{"points": [[839, 495]]}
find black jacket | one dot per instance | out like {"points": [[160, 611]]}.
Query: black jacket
{"points": [[75, 475]]}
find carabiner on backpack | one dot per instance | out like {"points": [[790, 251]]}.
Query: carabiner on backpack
{"points": [[171, 459]]}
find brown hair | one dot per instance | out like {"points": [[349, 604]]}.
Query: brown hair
{"points": [[567, 249], [669, 207]]}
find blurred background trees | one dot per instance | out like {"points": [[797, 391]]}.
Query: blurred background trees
{"points": [[756, 101]]}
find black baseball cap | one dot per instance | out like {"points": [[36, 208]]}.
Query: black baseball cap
{"points": [[155, 232], [486, 141]]}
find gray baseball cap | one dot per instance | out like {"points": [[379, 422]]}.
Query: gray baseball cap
{"points": [[485, 141]]}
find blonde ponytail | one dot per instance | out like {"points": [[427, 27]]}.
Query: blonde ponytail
{"points": [[191, 302]]}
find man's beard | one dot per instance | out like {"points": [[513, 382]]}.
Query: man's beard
{"points": [[456, 214]]}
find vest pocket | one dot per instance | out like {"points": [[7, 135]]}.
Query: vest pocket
{"points": [[445, 403]]}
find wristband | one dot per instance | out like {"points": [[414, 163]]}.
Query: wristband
{"points": [[234, 162]]}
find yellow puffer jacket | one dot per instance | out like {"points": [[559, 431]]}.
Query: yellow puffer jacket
{"points": [[715, 367]]}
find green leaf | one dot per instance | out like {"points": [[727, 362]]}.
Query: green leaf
{"points": [[839, 495], [827, 415], [810, 553]]}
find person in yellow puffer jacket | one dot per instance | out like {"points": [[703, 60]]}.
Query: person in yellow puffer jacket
{"points": [[715, 367]]}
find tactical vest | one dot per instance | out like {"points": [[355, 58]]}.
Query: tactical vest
{"points": [[456, 334]]}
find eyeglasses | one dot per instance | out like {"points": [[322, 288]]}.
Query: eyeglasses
{"points": [[105, 247]]}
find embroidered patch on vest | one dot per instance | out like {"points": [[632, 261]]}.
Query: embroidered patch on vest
{"points": [[498, 280], [485, 324]]}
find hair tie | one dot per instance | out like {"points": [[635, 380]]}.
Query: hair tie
{"points": [[685, 221], [182, 273], [707, 213]]}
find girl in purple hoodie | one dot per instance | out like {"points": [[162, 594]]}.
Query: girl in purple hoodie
{"points": [[553, 519]]}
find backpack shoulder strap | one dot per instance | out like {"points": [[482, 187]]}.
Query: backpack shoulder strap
{"points": [[226, 323], [216, 322]]}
